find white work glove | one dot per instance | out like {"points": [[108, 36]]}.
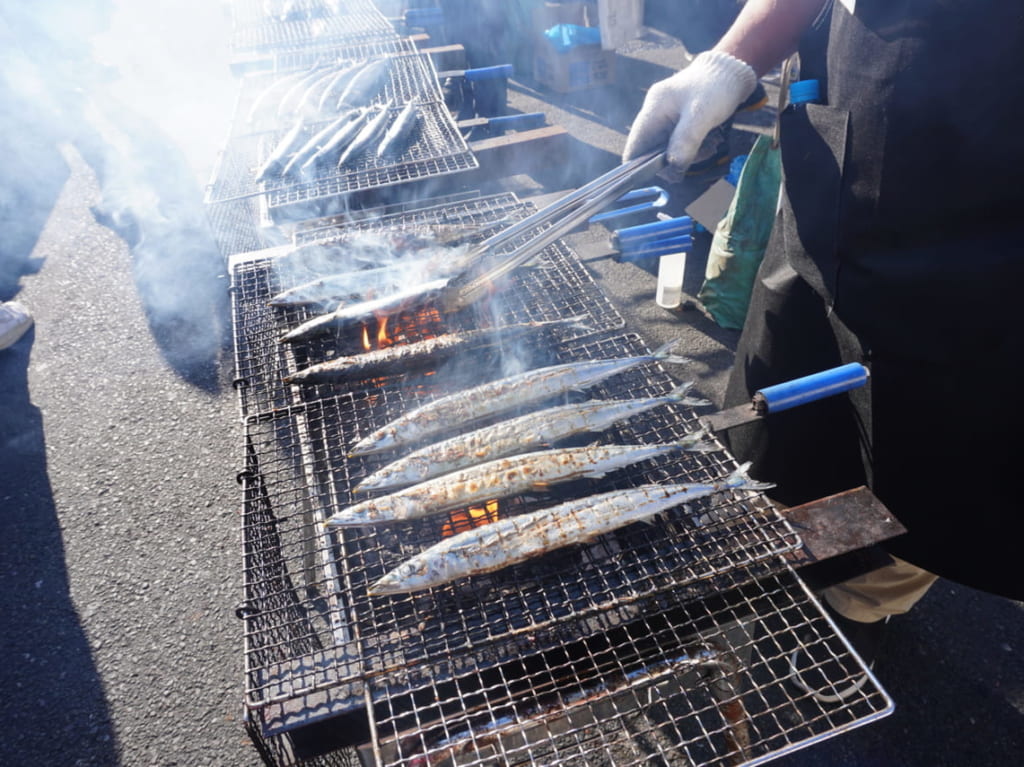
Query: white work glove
{"points": [[682, 109]]}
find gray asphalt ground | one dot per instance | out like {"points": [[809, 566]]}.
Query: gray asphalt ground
{"points": [[120, 551]]}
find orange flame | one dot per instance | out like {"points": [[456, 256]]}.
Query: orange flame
{"points": [[467, 519]]}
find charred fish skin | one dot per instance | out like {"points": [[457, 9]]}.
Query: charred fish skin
{"points": [[498, 479], [496, 397], [516, 539], [346, 316], [418, 355], [527, 432]]}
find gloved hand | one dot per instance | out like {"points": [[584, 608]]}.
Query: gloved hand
{"points": [[682, 109]]}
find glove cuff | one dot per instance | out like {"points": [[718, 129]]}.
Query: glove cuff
{"points": [[727, 71]]}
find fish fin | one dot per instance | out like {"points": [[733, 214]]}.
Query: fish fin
{"points": [[741, 480]]}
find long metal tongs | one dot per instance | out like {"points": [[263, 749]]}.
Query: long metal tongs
{"points": [[563, 215]]}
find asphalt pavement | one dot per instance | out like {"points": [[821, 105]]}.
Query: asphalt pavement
{"points": [[120, 440]]}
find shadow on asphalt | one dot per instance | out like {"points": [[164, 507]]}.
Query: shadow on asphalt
{"points": [[55, 702]]}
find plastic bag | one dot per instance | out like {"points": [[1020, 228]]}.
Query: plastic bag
{"points": [[740, 238]]}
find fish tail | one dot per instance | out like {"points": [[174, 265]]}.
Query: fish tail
{"points": [[679, 394], [698, 442], [741, 480], [664, 354]]}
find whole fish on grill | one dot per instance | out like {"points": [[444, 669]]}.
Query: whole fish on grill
{"points": [[278, 157], [500, 396], [289, 102], [396, 135], [370, 133], [309, 102], [500, 478], [366, 84], [269, 96], [332, 288], [328, 100], [333, 146], [518, 435], [418, 355], [516, 539], [349, 315], [318, 141]]}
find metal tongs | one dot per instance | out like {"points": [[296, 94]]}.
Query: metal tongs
{"points": [[563, 215]]}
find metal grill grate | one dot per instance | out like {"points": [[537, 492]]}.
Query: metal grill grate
{"points": [[296, 25], [557, 287], [671, 640], [436, 147], [699, 682]]}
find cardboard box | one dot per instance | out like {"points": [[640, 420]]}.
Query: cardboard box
{"points": [[580, 67]]}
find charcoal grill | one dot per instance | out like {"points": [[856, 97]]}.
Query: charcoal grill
{"points": [[668, 640], [436, 147]]}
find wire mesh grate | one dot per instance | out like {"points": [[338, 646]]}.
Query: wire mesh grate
{"points": [[672, 639], [260, 27], [699, 682], [435, 147], [555, 288]]}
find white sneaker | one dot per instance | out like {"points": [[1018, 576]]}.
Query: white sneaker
{"points": [[14, 321]]}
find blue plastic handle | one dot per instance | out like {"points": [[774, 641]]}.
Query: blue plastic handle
{"points": [[525, 120], [659, 198], [652, 231], [497, 72], [655, 249], [811, 388]]}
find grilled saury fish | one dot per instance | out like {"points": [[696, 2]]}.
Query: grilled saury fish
{"points": [[418, 355], [500, 396], [518, 435], [516, 539], [498, 479]]}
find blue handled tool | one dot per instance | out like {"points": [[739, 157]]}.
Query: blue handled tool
{"points": [[632, 236], [653, 196], [790, 394], [655, 249]]}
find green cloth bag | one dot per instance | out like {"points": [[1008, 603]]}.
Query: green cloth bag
{"points": [[740, 238]]}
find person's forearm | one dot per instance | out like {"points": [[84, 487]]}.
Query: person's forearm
{"points": [[766, 32]]}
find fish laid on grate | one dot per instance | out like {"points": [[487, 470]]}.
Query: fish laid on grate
{"points": [[530, 472], [347, 316], [515, 539], [318, 141], [291, 142], [400, 129], [500, 396], [368, 135], [366, 84], [402, 358], [441, 262], [518, 435], [339, 141]]}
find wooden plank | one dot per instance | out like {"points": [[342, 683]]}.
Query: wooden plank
{"points": [[520, 151]]}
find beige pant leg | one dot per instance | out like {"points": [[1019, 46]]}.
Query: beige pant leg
{"points": [[889, 590]]}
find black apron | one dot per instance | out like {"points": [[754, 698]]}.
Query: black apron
{"points": [[900, 244]]}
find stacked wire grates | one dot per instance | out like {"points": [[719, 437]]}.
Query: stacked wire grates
{"points": [[672, 640], [432, 148]]}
